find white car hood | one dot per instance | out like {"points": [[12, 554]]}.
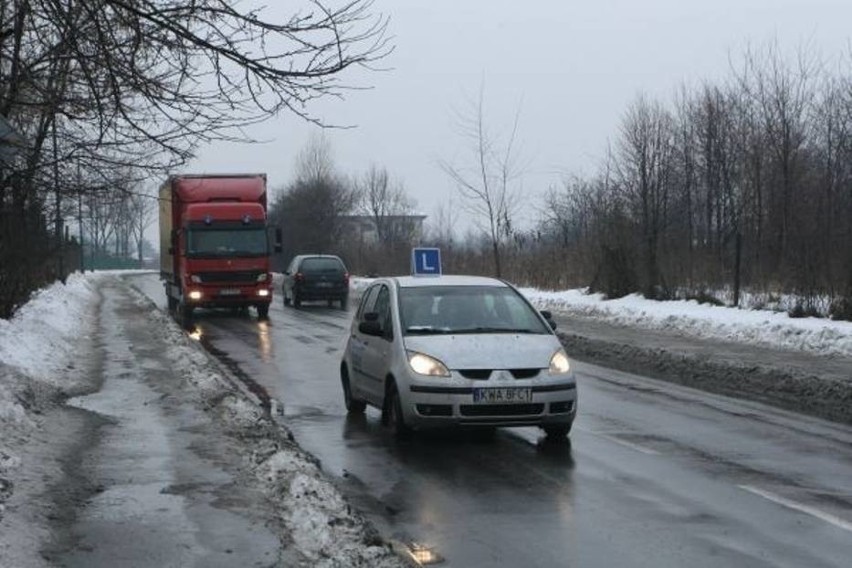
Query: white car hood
{"points": [[487, 351]]}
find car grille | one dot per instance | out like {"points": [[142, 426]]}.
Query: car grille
{"points": [[501, 409], [475, 374], [484, 374], [230, 277]]}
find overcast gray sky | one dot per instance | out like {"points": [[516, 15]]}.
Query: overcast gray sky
{"points": [[573, 67]]}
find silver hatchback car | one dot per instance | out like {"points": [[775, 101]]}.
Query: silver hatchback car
{"points": [[456, 351]]}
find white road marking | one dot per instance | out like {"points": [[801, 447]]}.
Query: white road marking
{"points": [[631, 445], [801, 507], [619, 441]]}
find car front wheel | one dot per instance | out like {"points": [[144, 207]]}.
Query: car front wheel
{"points": [[557, 432], [395, 418], [353, 405]]}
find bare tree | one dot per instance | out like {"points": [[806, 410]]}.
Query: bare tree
{"points": [[112, 85], [488, 184], [388, 205], [142, 211], [309, 211], [644, 170]]}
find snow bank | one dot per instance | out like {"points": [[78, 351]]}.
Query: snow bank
{"points": [[688, 317], [40, 339], [37, 361]]}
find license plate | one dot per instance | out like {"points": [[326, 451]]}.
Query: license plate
{"points": [[324, 284], [506, 395], [229, 292]]}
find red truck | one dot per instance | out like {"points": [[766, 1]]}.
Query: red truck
{"points": [[214, 243]]}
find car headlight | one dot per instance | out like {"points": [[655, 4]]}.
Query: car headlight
{"points": [[559, 364], [262, 277], [425, 365]]}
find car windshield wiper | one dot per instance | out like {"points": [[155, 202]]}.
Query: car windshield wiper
{"points": [[485, 329], [426, 330]]}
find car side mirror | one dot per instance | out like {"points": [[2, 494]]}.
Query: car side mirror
{"points": [[370, 327], [549, 317]]}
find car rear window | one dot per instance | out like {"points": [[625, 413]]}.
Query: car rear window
{"points": [[322, 265]]}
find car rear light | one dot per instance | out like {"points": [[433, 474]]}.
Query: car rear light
{"points": [[346, 278], [299, 277]]}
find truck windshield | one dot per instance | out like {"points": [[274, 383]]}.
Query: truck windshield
{"points": [[216, 242]]}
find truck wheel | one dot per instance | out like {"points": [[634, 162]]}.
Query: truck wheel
{"points": [[172, 303], [185, 315], [297, 301], [263, 311], [286, 299]]}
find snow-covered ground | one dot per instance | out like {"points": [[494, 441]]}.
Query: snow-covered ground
{"points": [[40, 352], [688, 317]]}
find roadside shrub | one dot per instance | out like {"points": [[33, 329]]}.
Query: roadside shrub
{"points": [[841, 309], [615, 276], [704, 297], [800, 310]]}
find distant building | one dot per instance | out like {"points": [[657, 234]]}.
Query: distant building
{"points": [[365, 229]]}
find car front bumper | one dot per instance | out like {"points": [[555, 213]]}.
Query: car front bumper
{"points": [[433, 406]]}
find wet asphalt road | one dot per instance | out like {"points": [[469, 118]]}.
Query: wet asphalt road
{"points": [[655, 475]]}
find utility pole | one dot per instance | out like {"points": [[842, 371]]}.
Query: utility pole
{"points": [[60, 249], [80, 217]]}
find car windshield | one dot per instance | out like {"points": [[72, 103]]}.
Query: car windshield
{"points": [[216, 242], [321, 264], [431, 310]]}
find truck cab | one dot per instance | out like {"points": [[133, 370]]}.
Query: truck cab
{"points": [[215, 245]]}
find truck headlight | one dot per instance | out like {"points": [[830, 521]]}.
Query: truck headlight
{"points": [[263, 293], [262, 277], [425, 365], [195, 294], [559, 364]]}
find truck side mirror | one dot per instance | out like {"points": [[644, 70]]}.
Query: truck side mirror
{"points": [[278, 239]]}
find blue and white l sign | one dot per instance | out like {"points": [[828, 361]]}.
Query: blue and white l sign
{"points": [[426, 262]]}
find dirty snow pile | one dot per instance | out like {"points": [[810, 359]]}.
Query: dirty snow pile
{"points": [[318, 521], [37, 361], [688, 317], [39, 352]]}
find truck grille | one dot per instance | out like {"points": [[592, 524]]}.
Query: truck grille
{"points": [[248, 277]]}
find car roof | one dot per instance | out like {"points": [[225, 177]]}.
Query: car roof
{"points": [[302, 257], [448, 280]]}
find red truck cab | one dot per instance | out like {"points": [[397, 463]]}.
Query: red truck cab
{"points": [[214, 243]]}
